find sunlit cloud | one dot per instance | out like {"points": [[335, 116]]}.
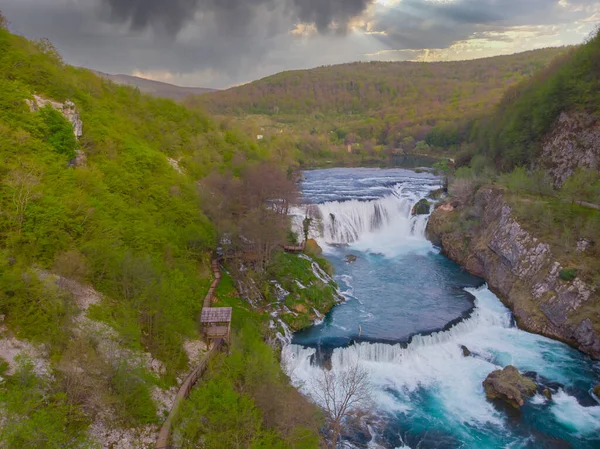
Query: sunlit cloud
{"points": [[219, 44]]}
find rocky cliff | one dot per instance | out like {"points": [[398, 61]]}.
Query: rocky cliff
{"points": [[520, 268], [573, 143]]}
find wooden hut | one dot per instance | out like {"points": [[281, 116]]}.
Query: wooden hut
{"points": [[216, 323]]}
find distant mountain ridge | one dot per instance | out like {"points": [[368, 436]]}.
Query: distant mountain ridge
{"points": [[156, 88]]}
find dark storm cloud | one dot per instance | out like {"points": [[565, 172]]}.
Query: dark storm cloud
{"points": [[172, 15], [218, 43]]}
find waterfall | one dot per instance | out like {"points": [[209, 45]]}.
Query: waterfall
{"points": [[485, 315], [345, 222]]}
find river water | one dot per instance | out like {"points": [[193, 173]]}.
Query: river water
{"points": [[408, 313]]}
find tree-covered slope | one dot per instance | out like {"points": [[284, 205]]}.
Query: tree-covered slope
{"points": [[527, 112], [382, 102], [104, 259]]}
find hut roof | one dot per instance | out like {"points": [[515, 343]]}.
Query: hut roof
{"points": [[216, 315]]}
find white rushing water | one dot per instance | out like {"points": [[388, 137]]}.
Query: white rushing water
{"points": [[436, 362], [428, 385]]}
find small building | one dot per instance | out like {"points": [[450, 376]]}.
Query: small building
{"points": [[216, 323]]}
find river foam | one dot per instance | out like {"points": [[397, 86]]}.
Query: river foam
{"points": [[427, 393]]}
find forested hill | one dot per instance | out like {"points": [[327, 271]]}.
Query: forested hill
{"points": [[360, 88], [528, 113], [378, 108]]}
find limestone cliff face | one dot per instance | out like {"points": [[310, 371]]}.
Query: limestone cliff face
{"points": [[573, 143], [522, 270], [67, 109]]}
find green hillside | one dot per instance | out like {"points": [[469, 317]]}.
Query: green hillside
{"points": [[375, 104], [127, 218], [504, 149], [512, 136]]}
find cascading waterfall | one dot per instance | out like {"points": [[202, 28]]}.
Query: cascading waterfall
{"points": [[345, 222], [400, 292]]}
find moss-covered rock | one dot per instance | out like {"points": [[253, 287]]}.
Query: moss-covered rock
{"points": [[312, 248], [509, 385], [423, 207], [351, 258]]}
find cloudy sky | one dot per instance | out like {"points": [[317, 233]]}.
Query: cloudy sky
{"points": [[221, 43]]}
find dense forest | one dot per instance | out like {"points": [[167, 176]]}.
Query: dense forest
{"points": [[106, 238], [375, 106]]}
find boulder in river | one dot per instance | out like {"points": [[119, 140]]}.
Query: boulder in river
{"points": [[509, 385], [423, 207], [597, 391], [351, 258], [312, 248], [465, 351]]}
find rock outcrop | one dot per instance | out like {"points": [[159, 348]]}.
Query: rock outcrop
{"points": [[67, 109], [521, 270], [312, 248], [573, 143], [509, 386], [423, 207]]}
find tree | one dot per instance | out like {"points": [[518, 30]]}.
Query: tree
{"points": [[342, 394], [23, 186]]}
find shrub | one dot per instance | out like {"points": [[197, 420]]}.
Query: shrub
{"points": [[568, 274], [59, 132]]}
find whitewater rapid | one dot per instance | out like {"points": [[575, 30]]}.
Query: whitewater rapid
{"points": [[426, 392]]}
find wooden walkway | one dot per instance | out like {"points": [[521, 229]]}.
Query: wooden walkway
{"points": [[164, 436], [293, 249]]}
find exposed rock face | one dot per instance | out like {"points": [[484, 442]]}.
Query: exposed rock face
{"points": [[521, 269], [67, 109], [574, 142], [509, 385]]}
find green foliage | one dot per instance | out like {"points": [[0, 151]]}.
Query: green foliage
{"points": [[37, 415], [247, 402], [536, 182], [288, 270], [512, 137], [34, 310], [131, 387], [59, 132], [377, 107], [583, 185], [127, 222], [568, 274]]}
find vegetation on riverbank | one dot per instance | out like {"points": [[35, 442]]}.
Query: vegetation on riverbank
{"points": [[244, 398], [129, 223]]}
